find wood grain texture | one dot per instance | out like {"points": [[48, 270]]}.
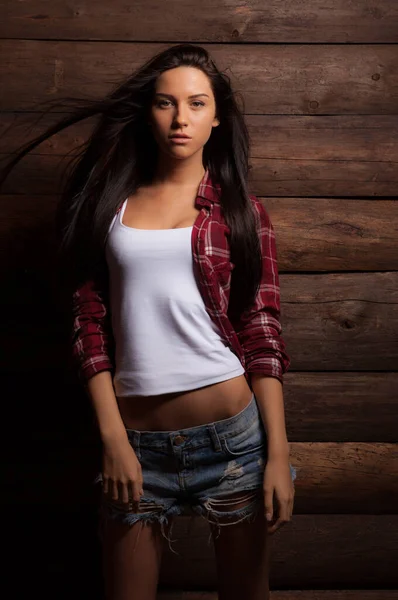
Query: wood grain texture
{"points": [[286, 21], [332, 319], [320, 234], [342, 407], [281, 79]]}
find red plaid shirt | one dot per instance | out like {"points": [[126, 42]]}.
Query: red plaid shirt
{"points": [[255, 338]]}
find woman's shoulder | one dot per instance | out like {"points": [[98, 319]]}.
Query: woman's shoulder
{"points": [[261, 210], [256, 202]]}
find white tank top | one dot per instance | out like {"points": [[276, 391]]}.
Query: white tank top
{"points": [[165, 341]]}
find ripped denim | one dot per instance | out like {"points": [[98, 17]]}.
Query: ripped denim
{"points": [[199, 470]]}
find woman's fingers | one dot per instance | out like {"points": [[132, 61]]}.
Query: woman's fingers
{"points": [[113, 489], [268, 503], [283, 516], [124, 493], [129, 491], [137, 490]]}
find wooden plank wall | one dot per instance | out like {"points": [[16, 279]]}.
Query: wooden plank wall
{"points": [[320, 84]]}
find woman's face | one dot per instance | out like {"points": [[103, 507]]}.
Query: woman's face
{"points": [[174, 111]]}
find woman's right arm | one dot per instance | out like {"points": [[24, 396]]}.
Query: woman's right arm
{"points": [[102, 395], [121, 470], [91, 337], [92, 350]]}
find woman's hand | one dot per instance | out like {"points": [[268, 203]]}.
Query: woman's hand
{"points": [[278, 479], [121, 472]]}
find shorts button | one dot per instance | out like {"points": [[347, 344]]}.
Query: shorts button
{"points": [[178, 440]]}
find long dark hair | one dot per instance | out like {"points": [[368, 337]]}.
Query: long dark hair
{"points": [[120, 155]]}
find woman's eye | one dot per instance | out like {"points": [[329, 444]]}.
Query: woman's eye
{"points": [[162, 102]]}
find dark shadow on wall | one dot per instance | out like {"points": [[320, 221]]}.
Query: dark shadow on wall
{"points": [[51, 449]]}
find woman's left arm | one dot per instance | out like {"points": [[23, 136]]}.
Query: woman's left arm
{"points": [[260, 334], [259, 328], [277, 477], [269, 395]]}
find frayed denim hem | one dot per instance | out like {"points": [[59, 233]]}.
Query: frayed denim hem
{"points": [[209, 510], [150, 511], [156, 514]]}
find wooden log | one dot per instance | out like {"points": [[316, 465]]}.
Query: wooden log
{"points": [[344, 407], [334, 234], [272, 78], [282, 21], [332, 319]]}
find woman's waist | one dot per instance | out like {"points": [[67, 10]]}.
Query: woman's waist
{"points": [[191, 408]]}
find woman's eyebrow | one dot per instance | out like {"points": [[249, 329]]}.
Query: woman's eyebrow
{"points": [[171, 96]]}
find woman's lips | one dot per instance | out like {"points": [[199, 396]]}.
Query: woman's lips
{"points": [[180, 140]]}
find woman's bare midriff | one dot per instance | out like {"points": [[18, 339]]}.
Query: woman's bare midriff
{"points": [[170, 412]]}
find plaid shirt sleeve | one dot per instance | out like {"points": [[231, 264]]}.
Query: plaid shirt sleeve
{"points": [[259, 329], [92, 338]]}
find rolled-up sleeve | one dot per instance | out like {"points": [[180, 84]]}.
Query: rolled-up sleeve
{"points": [[91, 336], [259, 329]]}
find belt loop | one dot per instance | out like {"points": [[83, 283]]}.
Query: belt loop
{"points": [[214, 436]]}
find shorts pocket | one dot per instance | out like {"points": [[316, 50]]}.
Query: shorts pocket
{"points": [[251, 439]]}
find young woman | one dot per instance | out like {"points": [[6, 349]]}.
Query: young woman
{"points": [[173, 274]]}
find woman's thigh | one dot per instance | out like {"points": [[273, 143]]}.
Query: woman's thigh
{"points": [[131, 558], [242, 556]]}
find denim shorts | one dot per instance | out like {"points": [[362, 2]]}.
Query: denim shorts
{"points": [[196, 470]]}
